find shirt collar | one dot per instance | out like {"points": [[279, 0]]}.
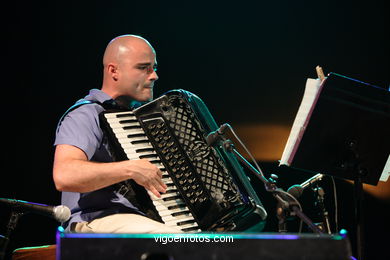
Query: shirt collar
{"points": [[98, 95]]}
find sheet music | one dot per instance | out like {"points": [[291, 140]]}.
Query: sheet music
{"points": [[386, 171], [311, 90]]}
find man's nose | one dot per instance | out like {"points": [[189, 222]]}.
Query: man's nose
{"points": [[153, 76]]}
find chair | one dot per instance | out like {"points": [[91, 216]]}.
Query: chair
{"points": [[47, 252]]}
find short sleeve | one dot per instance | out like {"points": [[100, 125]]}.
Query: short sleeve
{"points": [[81, 129]]}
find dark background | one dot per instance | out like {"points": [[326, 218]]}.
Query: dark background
{"points": [[247, 60]]}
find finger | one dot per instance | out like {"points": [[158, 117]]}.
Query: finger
{"points": [[159, 172], [161, 183], [154, 191], [160, 186]]}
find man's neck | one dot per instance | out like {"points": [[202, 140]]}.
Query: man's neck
{"points": [[109, 91]]}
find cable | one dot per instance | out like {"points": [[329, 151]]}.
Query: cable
{"points": [[299, 206], [246, 150], [260, 172]]}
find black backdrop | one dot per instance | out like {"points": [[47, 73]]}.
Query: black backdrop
{"points": [[247, 60]]}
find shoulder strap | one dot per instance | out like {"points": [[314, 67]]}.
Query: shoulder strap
{"points": [[76, 105], [108, 104]]}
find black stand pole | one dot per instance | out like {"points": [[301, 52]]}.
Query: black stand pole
{"points": [[325, 224], [13, 221], [358, 186], [3, 246], [281, 214], [285, 202], [353, 163]]}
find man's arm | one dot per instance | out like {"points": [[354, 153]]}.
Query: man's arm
{"points": [[73, 172]]}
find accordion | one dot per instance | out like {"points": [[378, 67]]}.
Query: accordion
{"points": [[208, 189]]}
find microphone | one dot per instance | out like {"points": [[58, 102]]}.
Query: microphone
{"points": [[216, 135], [60, 213], [297, 190]]}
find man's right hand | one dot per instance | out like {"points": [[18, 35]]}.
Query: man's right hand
{"points": [[147, 175]]}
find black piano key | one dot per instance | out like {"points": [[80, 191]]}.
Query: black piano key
{"points": [[124, 115], [185, 212], [142, 150], [147, 156], [171, 191], [172, 198], [185, 222], [155, 161], [139, 141], [180, 204], [135, 135], [128, 121], [129, 127]]}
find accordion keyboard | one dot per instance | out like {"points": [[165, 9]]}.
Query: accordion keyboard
{"points": [[171, 206]]}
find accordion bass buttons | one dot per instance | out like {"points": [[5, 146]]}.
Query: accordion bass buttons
{"points": [[151, 126]]}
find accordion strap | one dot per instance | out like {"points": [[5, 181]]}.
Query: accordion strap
{"points": [[78, 104]]}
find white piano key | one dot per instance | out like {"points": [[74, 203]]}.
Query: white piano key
{"points": [[142, 139], [114, 115], [133, 157], [165, 195], [190, 225], [118, 128], [134, 152], [164, 213], [168, 181], [161, 207], [121, 129], [126, 137], [117, 125], [177, 219], [169, 195], [122, 119], [137, 146], [126, 142], [160, 203], [169, 203]]}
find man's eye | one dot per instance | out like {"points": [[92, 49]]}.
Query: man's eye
{"points": [[147, 68]]}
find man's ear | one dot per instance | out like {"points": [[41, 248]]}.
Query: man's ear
{"points": [[112, 70]]}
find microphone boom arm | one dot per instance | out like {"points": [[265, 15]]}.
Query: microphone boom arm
{"points": [[287, 201]]}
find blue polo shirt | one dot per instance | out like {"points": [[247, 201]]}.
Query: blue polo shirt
{"points": [[81, 128]]}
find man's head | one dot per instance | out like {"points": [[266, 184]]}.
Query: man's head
{"points": [[129, 68]]}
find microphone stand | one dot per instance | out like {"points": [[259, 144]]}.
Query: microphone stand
{"points": [[13, 221], [325, 225], [285, 202]]}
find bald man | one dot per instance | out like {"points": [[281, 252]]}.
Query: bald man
{"points": [[83, 169]]}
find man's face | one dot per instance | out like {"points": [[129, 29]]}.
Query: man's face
{"points": [[137, 73]]}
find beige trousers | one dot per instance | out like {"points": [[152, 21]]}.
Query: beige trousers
{"points": [[123, 223]]}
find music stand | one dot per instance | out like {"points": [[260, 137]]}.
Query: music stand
{"points": [[347, 136]]}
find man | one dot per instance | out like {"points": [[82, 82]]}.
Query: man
{"points": [[83, 169]]}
